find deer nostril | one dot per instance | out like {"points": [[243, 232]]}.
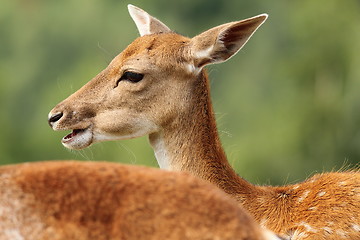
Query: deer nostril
{"points": [[54, 118]]}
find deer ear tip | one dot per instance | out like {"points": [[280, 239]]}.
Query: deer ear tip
{"points": [[261, 18], [264, 16], [132, 8]]}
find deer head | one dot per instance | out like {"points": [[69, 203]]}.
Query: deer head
{"points": [[148, 85]]}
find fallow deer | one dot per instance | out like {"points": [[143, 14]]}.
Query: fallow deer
{"points": [[106, 201], [158, 87]]}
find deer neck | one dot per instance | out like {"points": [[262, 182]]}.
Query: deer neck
{"points": [[191, 143]]}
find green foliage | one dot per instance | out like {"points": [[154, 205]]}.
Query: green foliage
{"points": [[288, 104]]}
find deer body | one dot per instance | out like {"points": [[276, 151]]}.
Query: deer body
{"points": [[158, 87], [87, 200]]}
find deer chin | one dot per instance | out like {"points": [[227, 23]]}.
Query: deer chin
{"points": [[78, 138]]}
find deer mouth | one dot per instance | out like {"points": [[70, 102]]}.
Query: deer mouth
{"points": [[73, 134], [78, 138]]}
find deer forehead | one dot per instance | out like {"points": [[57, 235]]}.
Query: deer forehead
{"points": [[164, 51]]}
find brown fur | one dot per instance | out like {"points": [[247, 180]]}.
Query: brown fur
{"points": [[172, 105], [88, 200], [299, 210]]}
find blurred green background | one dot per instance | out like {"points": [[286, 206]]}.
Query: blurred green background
{"points": [[288, 105]]}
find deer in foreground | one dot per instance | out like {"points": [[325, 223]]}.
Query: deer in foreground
{"points": [[158, 87], [105, 201]]}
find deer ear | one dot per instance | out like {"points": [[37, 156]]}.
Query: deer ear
{"points": [[220, 43], [145, 23]]}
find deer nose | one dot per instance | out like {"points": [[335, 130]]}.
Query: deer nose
{"points": [[54, 118]]}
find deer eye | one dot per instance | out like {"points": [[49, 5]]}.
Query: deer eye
{"points": [[131, 77]]}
